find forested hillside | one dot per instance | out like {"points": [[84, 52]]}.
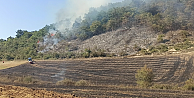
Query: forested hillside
{"points": [[24, 45], [162, 16]]}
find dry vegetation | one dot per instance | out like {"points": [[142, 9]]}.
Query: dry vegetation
{"points": [[8, 64], [23, 92]]}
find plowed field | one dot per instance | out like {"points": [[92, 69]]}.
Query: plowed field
{"points": [[109, 77]]}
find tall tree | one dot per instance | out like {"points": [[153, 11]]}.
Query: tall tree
{"points": [[19, 33], [96, 28]]}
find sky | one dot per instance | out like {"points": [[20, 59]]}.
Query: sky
{"points": [[33, 15]]}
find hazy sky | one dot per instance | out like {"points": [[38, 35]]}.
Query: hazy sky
{"points": [[32, 15]]}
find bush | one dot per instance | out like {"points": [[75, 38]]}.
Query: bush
{"points": [[136, 47], [162, 48], [66, 82], [152, 49], [183, 35], [189, 84], [82, 83], [86, 55], [144, 77], [144, 52], [101, 53], [28, 79], [160, 38], [122, 53], [184, 45]]}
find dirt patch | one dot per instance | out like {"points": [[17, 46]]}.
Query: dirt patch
{"points": [[23, 92]]}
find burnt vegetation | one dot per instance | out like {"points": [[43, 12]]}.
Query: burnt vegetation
{"points": [[105, 77]]}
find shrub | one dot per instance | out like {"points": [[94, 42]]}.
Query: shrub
{"points": [[28, 79], [183, 35], [162, 48], [82, 83], [144, 52], [86, 55], [122, 53], [184, 45], [152, 49], [160, 38], [136, 47], [66, 82], [111, 55], [144, 77], [189, 84], [101, 53]]}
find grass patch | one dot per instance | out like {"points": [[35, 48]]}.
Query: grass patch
{"points": [[8, 64], [66, 82], [25, 80], [189, 85], [20, 79], [82, 83], [165, 86], [69, 82], [5, 78]]}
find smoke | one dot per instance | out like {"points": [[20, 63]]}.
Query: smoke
{"points": [[73, 11], [76, 8]]}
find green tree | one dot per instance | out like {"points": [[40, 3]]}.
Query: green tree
{"points": [[96, 27], [19, 33], [111, 25]]}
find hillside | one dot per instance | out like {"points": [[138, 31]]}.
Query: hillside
{"points": [[121, 40]]}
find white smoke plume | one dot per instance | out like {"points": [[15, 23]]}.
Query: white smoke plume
{"points": [[73, 9], [76, 8]]}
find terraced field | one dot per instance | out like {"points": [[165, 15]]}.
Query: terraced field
{"points": [[110, 77]]}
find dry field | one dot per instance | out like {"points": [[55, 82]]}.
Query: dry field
{"points": [[108, 77], [8, 64], [23, 92]]}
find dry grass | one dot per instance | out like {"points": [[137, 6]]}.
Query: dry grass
{"points": [[66, 82], [82, 83], [8, 64], [23, 92]]}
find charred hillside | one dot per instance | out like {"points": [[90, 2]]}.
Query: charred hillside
{"points": [[121, 40]]}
